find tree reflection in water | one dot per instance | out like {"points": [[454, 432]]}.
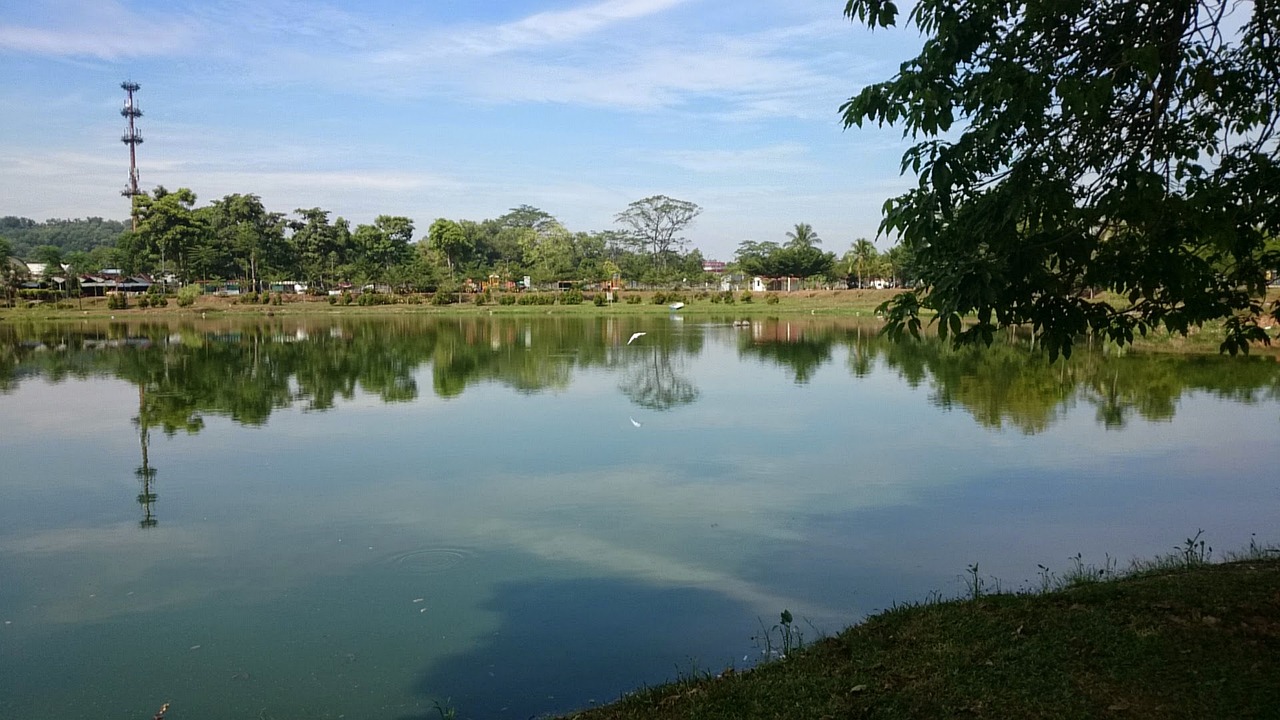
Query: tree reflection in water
{"points": [[245, 370]]}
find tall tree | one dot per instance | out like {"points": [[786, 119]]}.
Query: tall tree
{"points": [[758, 258], [860, 257], [446, 237], [1115, 145], [384, 244], [168, 226], [656, 223], [253, 236], [803, 235], [320, 246]]}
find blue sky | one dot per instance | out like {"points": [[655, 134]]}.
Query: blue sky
{"points": [[457, 109]]}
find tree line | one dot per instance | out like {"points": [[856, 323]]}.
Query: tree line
{"points": [[237, 237]]}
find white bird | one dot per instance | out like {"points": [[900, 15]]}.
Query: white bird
{"points": [[633, 338], [634, 422]]}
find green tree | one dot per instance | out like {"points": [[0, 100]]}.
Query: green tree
{"points": [[12, 271], [446, 237], [320, 246], [1112, 145], [758, 258], [656, 224], [860, 258], [54, 275], [168, 226], [253, 236], [383, 245], [803, 235]]}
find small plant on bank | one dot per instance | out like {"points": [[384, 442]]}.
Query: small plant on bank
{"points": [[633, 299], [726, 297], [1194, 552], [771, 299], [507, 299], [571, 297], [1082, 574], [441, 297], [746, 296], [598, 300], [973, 582], [117, 301], [659, 298], [788, 638]]}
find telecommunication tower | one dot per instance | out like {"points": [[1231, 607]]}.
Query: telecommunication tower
{"points": [[133, 138]]}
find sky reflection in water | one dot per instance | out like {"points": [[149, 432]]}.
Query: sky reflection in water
{"points": [[365, 517]]}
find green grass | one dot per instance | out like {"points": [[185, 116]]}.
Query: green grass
{"points": [[1178, 637]]}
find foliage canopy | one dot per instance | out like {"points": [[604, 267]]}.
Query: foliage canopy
{"points": [[1067, 147]]}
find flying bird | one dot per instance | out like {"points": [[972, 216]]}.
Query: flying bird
{"points": [[634, 336], [634, 422]]}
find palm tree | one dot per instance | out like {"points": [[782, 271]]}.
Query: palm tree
{"points": [[861, 255], [803, 236]]}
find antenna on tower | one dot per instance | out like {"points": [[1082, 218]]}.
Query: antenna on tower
{"points": [[133, 138]]}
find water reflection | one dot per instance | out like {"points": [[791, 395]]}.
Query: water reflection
{"points": [[411, 509], [246, 370]]}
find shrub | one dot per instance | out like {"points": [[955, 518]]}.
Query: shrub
{"points": [[633, 299], [277, 299], [659, 298], [771, 299], [187, 295], [441, 297], [117, 301], [715, 298], [345, 298], [746, 296], [598, 299], [507, 299], [571, 297], [726, 297], [333, 299]]}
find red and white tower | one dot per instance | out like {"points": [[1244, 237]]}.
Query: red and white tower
{"points": [[133, 138]]}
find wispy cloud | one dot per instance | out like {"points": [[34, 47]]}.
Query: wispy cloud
{"points": [[783, 158], [557, 27], [101, 30]]}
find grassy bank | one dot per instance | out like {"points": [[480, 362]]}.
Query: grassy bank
{"points": [[1184, 640], [826, 302]]}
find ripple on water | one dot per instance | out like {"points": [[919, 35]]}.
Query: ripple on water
{"points": [[428, 561]]}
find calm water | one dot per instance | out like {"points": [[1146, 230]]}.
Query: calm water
{"points": [[360, 518]]}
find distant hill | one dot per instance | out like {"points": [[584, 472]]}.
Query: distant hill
{"points": [[84, 234]]}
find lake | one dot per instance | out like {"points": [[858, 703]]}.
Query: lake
{"points": [[336, 517]]}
